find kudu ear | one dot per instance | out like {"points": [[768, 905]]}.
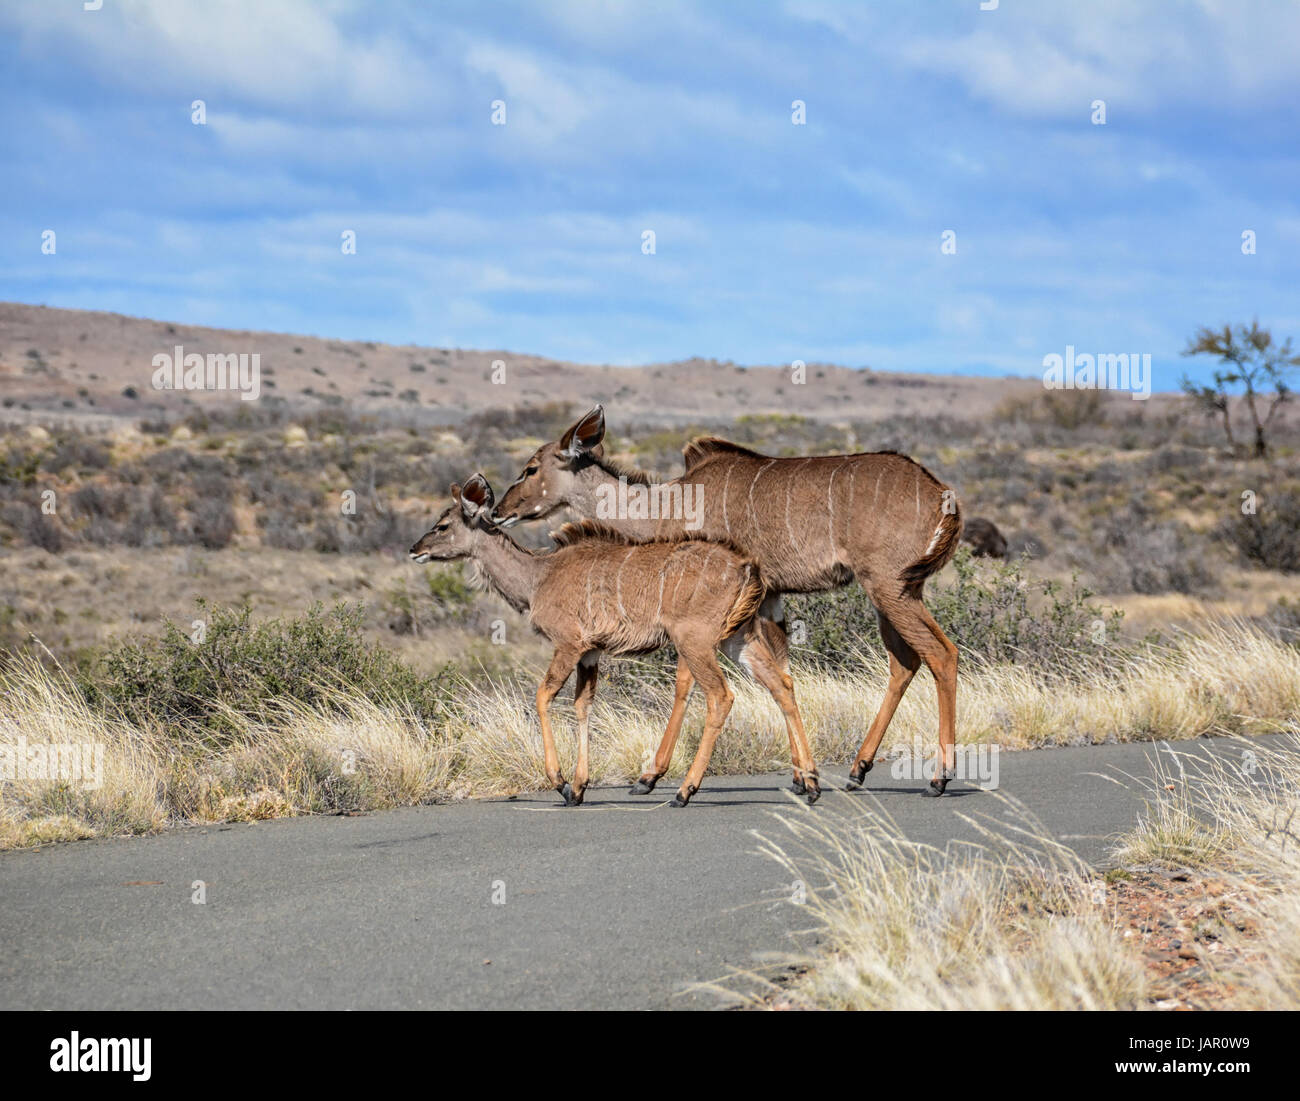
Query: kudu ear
{"points": [[585, 436], [476, 497]]}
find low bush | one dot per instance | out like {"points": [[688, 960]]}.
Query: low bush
{"points": [[234, 668], [1270, 537], [991, 611]]}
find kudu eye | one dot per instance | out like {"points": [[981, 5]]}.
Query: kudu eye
{"points": [[530, 471]]}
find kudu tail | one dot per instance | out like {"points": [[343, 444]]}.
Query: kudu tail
{"points": [[752, 591], [943, 545]]}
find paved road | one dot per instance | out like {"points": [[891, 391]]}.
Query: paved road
{"points": [[621, 904]]}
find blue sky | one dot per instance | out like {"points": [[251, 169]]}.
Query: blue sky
{"points": [[773, 241]]}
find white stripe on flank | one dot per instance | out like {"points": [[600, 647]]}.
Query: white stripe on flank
{"points": [[853, 490], [830, 511], [678, 583], [659, 611], [618, 584], [726, 485], [789, 488], [934, 539], [700, 576], [751, 491]]}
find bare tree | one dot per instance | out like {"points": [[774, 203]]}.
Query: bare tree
{"points": [[1249, 359]]}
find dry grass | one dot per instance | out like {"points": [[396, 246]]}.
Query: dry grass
{"points": [[43, 709], [1239, 814], [1011, 924], [345, 753], [1020, 923]]}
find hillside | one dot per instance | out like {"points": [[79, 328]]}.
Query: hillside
{"points": [[78, 364]]}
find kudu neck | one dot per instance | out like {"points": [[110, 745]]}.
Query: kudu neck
{"points": [[600, 495], [511, 570]]}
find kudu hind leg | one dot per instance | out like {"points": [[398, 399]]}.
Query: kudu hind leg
{"points": [[771, 621], [718, 697], [942, 660], [663, 757], [584, 691], [903, 664], [771, 632], [766, 655], [913, 621]]}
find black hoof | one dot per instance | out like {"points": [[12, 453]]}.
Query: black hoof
{"points": [[570, 800], [678, 801], [642, 788], [857, 774], [682, 799], [798, 786], [814, 793], [939, 786]]}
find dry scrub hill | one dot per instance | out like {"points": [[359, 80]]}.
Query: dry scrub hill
{"points": [[75, 364]]}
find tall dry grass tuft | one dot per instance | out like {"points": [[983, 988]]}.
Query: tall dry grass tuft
{"points": [[340, 753], [43, 708], [1236, 810], [1230, 679], [1011, 923], [1019, 922]]}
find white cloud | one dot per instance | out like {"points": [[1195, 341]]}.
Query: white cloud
{"points": [[1052, 60], [285, 54], [537, 97]]}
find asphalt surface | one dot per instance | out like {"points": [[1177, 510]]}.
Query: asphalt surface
{"points": [[624, 903]]}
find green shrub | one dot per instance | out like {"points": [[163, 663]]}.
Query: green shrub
{"points": [[451, 594], [450, 600], [244, 667], [991, 611]]}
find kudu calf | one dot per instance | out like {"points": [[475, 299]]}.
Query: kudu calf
{"points": [[601, 592], [811, 524]]}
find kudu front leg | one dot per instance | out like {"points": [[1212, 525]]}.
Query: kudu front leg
{"points": [[557, 673]]}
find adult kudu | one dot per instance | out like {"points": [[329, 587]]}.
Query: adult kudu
{"points": [[811, 524]]}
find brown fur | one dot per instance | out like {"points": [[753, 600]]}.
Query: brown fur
{"points": [[634, 475], [705, 447], [585, 531], [948, 531], [811, 524], [588, 531]]}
